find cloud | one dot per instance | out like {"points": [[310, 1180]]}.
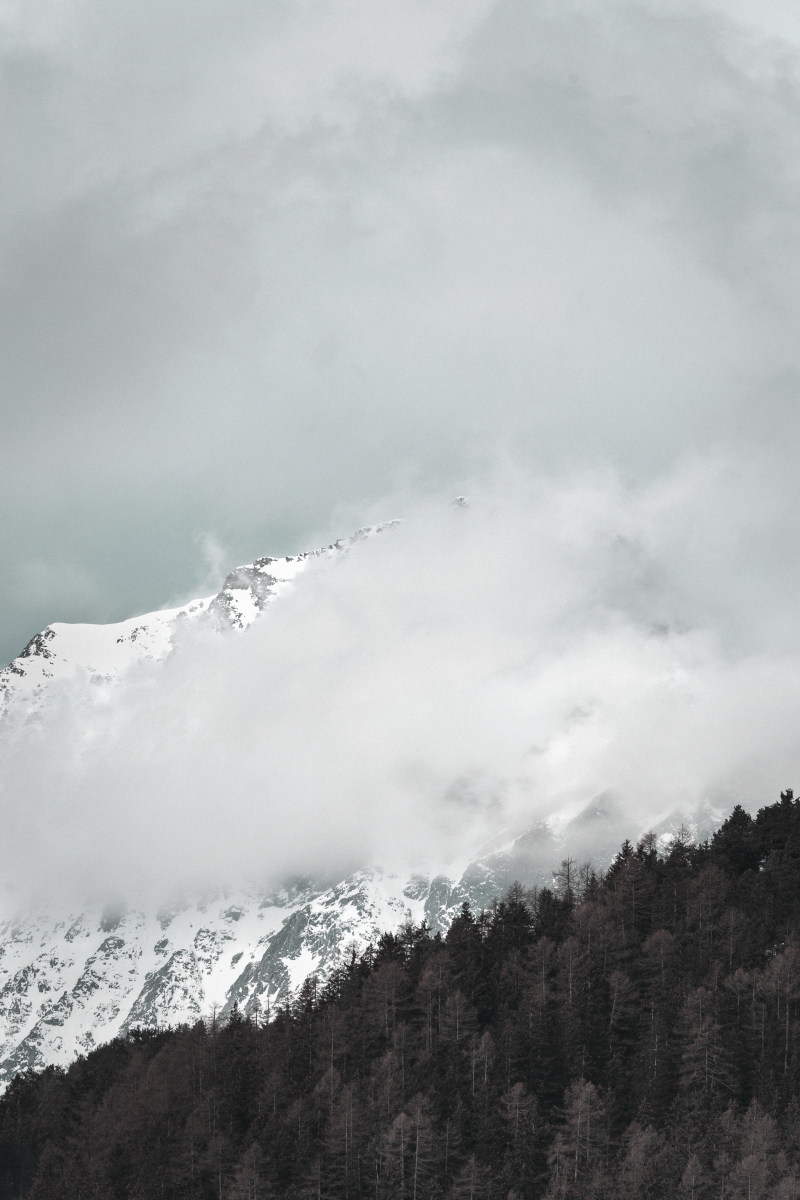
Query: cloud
{"points": [[458, 677], [263, 265], [259, 260]]}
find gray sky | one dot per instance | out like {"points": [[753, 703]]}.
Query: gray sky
{"points": [[271, 271], [262, 265]]}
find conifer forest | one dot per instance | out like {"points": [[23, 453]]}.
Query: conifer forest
{"points": [[630, 1035]]}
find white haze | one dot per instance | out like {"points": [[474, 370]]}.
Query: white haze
{"points": [[261, 264], [463, 673]]}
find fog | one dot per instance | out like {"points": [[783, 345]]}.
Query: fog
{"points": [[269, 272], [458, 676]]}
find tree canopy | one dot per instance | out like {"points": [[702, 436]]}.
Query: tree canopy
{"points": [[635, 1034]]}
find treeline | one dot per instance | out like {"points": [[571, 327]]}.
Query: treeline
{"points": [[631, 1035]]}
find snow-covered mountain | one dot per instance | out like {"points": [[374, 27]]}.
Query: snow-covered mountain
{"points": [[70, 982], [103, 652]]}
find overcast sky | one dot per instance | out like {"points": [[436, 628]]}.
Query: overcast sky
{"points": [[265, 264], [269, 271]]}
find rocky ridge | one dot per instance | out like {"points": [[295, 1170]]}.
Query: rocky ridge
{"points": [[101, 653]]}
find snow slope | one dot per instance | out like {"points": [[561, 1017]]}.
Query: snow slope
{"points": [[104, 652], [73, 983]]}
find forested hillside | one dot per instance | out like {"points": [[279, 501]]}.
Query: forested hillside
{"points": [[636, 1035]]}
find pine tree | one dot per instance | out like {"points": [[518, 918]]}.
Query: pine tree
{"points": [[706, 1068], [576, 1157]]}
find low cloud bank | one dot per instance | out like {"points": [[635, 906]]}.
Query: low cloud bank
{"points": [[462, 674]]}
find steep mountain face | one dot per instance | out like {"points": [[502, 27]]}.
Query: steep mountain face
{"points": [[74, 981], [68, 985]]}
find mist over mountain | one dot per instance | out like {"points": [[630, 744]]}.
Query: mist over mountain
{"points": [[203, 805], [466, 673], [468, 330]]}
